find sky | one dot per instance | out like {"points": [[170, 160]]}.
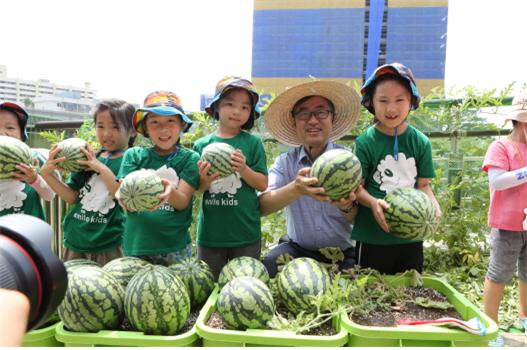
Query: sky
{"points": [[127, 49]]}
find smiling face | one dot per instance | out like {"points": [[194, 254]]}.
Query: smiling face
{"points": [[9, 125], [111, 136], [313, 132], [164, 131], [234, 109], [391, 103]]}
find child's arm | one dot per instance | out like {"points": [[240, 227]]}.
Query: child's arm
{"points": [[254, 179], [178, 197], [377, 206], [204, 179], [106, 174], [500, 179], [30, 176], [60, 188], [424, 185]]}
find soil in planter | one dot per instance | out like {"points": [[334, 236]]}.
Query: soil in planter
{"points": [[217, 322], [408, 310]]}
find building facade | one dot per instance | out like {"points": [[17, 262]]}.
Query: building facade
{"points": [[19, 90], [345, 40]]}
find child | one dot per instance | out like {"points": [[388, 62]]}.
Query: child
{"points": [[23, 192], [229, 220], [393, 154], [161, 235], [93, 227], [506, 164]]}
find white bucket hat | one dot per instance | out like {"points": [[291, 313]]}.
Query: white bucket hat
{"points": [[518, 109]]}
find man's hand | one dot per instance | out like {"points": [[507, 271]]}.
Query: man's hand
{"points": [[304, 185]]}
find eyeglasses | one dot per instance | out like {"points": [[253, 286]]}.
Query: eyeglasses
{"points": [[306, 115]]}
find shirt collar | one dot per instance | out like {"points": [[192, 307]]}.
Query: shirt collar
{"points": [[303, 157]]}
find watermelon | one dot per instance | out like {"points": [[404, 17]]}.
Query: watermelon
{"points": [[299, 281], [71, 265], [13, 152], [411, 214], [123, 269], [218, 154], [198, 278], [93, 300], [243, 266], [338, 171], [71, 149], [156, 301], [140, 190], [246, 302]]}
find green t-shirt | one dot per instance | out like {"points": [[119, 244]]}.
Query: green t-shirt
{"points": [[166, 229], [382, 174], [17, 197], [95, 223], [230, 211]]}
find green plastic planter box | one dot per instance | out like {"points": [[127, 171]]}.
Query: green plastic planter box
{"points": [[423, 335], [125, 338], [260, 337], [42, 337]]}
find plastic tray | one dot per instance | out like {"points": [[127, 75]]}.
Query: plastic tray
{"points": [[423, 335], [124, 338], [260, 337], [42, 337]]}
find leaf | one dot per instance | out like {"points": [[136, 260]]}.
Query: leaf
{"points": [[334, 254], [432, 304]]}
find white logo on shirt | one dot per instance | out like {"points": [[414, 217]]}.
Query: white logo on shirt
{"points": [[95, 196], [392, 174], [229, 184], [11, 194], [168, 173]]}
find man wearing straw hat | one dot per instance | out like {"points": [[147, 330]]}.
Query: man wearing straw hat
{"points": [[309, 117]]}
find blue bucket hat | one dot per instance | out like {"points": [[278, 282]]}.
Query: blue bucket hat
{"points": [[161, 103], [20, 113], [396, 69], [231, 82]]}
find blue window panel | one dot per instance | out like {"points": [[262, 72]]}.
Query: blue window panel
{"points": [[417, 37], [298, 43]]}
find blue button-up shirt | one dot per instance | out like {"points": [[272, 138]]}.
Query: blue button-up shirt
{"points": [[310, 223]]}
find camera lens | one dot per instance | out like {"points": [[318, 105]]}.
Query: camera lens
{"points": [[28, 265]]}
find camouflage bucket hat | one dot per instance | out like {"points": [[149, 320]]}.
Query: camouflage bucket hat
{"points": [[161, 103], [397, 69], [231, 82]]}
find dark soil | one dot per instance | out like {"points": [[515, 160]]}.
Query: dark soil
{"points": [[217, 322], [408, 310]]}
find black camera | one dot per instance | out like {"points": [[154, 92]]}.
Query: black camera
{"points": [[28, 265]]}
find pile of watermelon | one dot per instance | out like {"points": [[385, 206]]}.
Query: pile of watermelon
{"points": [[131, 294], [246, 301]]}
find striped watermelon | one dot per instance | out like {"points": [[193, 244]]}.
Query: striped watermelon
{"points": [[338, 171], [71, 265], [13, 152], [93, 300], [243, 266], [123, 269], [246, 302], [218, 154], [156, 301], [140, 190], [198, 278], [411, 215], [300, 280], [71, 149]]}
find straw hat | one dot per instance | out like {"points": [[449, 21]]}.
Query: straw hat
{"points": [[279, 119]]}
